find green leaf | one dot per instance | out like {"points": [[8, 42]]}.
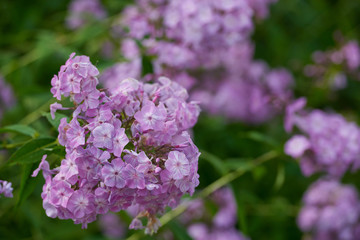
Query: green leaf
{"points": [[259, 137], [215, 161], [179, 231], [280, 177], [241, 211], [55, 122], [59, 151], [27, 184], [236, 163], [259, 172], [147, 65], [22, 129], [32, 151]]}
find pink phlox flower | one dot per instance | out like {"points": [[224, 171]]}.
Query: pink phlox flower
{"points": [[119, 142], [81, 204], [50, 210], [103, 136], [62, 129], [6, 189], [75, 134], [291, 111], [129, 86], [46, 190], [91, 100], [184, 184], [77, 112], [101, 116], [88, 168], [82, 66], [56, 87], [132, 106], [45, 167], [88, 185], [296, 146], [113, 173], [187, 114], [143, 163], [152, 186], [54, 107], [136, 224], [134, 178], [131, 157], [101, 204], [167, 132], [121, 199], [150, 116], [60, 193], [90, 84], [70, 83], [100, 156], [68, 168]]}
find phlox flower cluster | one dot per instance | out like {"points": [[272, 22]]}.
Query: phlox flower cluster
{"points": [[249, 90], [189, 34], [221, 225], [82, 11], [188, 29], [204, 46], [130, 147], [6, 189], [6, 96], [334, 67], [182, 35], [327, 143], [330, 211]]}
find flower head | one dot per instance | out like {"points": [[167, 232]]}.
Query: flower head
{"points": [[119, 146]]}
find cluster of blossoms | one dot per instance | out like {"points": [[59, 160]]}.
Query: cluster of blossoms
{"points": [[250, 91], [329, 143], [330, 212], [130, 147], [333, 67], [81, 11], [222, 224], [6, 189], [199, 44], [190, 30], [6, 96], [185, 35], [190, 34]]}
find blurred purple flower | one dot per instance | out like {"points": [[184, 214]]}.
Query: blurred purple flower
{"points": [[329, 143], [81, 11], [330, 211]]}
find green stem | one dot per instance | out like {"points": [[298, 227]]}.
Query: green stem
{"points": [[12, 145], [33, 116]]}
